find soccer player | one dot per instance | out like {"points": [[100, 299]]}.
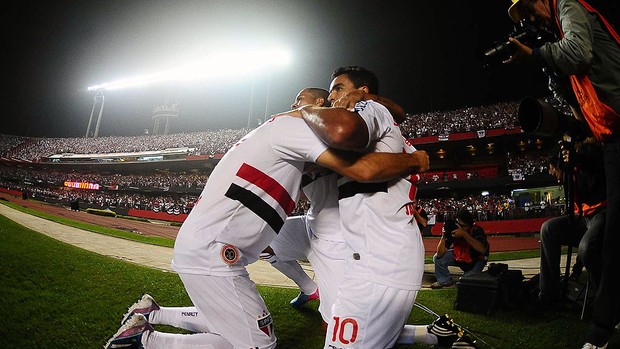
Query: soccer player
{"points": [[241, 209], [384, 269], [316, 236]]}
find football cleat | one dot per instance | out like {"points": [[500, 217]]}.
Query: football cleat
{"points": [[144, 306], [464, 342], [129, 336], [446, 331], [303, 298]]}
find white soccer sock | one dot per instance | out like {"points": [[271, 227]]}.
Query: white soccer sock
{"points": [[416, 334], [187, 318], [295, 272], [161, 340]]}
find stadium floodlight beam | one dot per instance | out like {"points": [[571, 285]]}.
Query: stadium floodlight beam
{"points": [[226, 63]]}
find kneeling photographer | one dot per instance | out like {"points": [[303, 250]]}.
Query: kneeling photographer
{"points": [[463, 244], [588, 52]]}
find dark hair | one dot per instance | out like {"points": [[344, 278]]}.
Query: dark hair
{"points": [[360, 77], [465, 217], [318, 92]]}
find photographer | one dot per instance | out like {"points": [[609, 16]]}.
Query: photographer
{"points": [[470, 249], [589, 53], [584, 228], [420, 215]]}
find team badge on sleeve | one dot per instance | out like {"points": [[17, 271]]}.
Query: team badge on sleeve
{"points": [[229, 254], [361, 105], [265, 323]]}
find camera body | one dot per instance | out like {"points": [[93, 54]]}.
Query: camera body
{"points": [[448, 227], [527, 32]]}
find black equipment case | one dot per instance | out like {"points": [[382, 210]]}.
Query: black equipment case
{"points": [[485, 292], [478, 293]]}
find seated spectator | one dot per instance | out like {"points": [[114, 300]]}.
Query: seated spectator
{"points": [[464, 245], [584, 228]]}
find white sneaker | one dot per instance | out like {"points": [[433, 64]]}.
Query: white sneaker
{"points": [[592, 346], [129, 336], [144, 306]]}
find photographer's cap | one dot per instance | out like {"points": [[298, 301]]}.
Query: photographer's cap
{"points": [[513, 11]]}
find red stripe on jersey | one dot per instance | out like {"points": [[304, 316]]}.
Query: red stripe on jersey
{"points": [[269, 185], [413, 191]]}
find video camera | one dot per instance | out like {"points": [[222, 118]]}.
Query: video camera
{"points": [[527, 32]]}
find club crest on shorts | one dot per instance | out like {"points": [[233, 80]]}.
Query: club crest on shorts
{"points": [[265, 323], [229, 254]]}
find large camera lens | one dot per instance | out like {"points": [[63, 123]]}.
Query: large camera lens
{"points": [[538, 117], [502, 50]]}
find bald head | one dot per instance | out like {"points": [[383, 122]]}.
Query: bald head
{"points": [[311, 96]]}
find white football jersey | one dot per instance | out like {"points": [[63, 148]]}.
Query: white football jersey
{"points": [[323, 217], [378, 218], [248, 196]]}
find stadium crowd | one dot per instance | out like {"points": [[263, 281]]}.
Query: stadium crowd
{"points": [[157, 202], [527, 164], [121, 190], [490, 207], [49, 188], [161, 180], [209, 142], [500, 115]]}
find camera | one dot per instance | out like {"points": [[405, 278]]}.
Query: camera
{"points": [[540, 118], [527, 32], [448, 227]]}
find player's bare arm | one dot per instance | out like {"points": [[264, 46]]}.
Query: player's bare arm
{"points": [[350, 99], [419, 217], [341, 127], [337, 127], [374, 167]]}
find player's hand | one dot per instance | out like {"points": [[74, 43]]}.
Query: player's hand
{"points": [[522, 54], [421, 157], [349, 100], [296, 113]]}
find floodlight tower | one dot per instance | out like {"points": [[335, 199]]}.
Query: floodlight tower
{"points": [[98, 100], [169, 109]]}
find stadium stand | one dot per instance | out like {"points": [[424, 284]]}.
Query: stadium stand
{"points": [[181, 163]]}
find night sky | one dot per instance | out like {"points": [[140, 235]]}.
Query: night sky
{"points": [[426, 54]]}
